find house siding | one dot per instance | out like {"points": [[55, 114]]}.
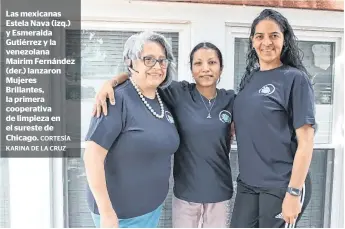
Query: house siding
{"points": [[330, 5]]}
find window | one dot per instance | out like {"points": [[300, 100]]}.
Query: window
{"points": [[101, 58], [4, 194]]}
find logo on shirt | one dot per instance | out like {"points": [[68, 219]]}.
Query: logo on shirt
{"points": [[169, 117], [225, 116], [279, 216], [267, 89]]}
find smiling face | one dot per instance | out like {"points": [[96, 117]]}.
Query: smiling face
{"points": [[268, 41], [206, 68], [151, 73]]}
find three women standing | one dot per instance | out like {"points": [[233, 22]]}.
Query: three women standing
{"points": [[274, 121]]}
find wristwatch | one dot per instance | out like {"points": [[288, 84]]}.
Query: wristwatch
{"points": [[294, 191]]}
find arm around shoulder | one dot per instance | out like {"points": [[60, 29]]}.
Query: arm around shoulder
{"points": [[174, 91], [107, 91]]}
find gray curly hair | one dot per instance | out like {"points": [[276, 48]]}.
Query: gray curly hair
{"points": [[134, 46]]}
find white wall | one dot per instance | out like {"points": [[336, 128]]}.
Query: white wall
{"points": [[205, 22]]}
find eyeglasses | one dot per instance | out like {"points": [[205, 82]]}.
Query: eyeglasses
{"points": [[150, 61]]}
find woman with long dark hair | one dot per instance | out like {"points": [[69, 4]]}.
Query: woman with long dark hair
{"points": [[274, 124]]}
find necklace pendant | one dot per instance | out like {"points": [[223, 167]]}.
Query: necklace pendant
{"points": [[209, 116]]}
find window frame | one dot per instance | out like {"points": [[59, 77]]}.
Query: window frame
{"points": [[334, 191], [4, 192]]}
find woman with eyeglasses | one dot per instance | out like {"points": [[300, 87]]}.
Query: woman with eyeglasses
{"points": [[128, 153], [203, 114]]}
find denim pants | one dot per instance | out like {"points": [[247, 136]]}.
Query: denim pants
{"points": [[149, 220]]}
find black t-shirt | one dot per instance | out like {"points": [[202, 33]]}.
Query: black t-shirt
{"points": [[140, 146], [202, 171], [266, 114]]}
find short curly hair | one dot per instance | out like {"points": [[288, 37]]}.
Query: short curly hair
{"points": [[134, 46]]}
